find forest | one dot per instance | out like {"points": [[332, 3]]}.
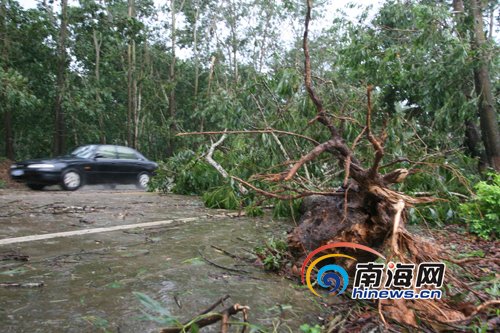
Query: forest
{"points": [[258, 104], [108, 72]]}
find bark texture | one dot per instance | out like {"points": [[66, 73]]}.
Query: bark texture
{"points": [[60, 116], [486, 103], [472, 140], [171, 104], [9, 142]]}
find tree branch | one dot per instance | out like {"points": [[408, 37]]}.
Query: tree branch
{"points": [[307, 69], [288, 197], [316, 143], [209, 320], [379, 151]]}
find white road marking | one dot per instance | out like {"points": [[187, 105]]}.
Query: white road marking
{"points": [[91, 231]]}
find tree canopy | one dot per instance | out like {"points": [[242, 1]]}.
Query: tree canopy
{"points": [[131, 73]]}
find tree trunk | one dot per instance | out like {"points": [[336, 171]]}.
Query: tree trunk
{"points": [[137, 112], [97, 45], [9, 143], [196, 54], [358, 217], [472, 139], [208, 89], [234, 40], [264, 46], [472, 134], [130, 103], [60, 121], [486, 102], [171, 109], [134, 99], [458, 6]]}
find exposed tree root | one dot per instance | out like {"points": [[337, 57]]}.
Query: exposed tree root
{"points": [[371, 221]]}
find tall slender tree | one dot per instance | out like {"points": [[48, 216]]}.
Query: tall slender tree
{"points": [[4, 33], [60, 116], [171, 105], [486, 102], [130, 69]]}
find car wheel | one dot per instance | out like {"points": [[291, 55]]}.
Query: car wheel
{"points": [[36, 187], [71, 180], [142, 181]]}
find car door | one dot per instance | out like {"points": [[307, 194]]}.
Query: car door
{"points": [[128, 164], [105, 165]]}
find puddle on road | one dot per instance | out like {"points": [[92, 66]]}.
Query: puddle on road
{"points": [[92, 291]]}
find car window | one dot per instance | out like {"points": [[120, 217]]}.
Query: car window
{"points": [[108, 152], [126, 153], [83, 152]]}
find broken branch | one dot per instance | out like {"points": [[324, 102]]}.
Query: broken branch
{"points": [[287, 197], [249, 132], [379, 151], [217, 166], [219, 266], [209, 320]]}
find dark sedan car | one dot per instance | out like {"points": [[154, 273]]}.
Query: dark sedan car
{"points": [[92, 164]]}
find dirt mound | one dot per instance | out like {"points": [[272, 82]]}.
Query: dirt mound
{"points": [[5, 181]]}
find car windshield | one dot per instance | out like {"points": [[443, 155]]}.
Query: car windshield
{"points": [[83, 152]]}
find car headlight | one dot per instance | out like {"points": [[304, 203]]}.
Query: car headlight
{"points": [[40, 166], [13, 166]]}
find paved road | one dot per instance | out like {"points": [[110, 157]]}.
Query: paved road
{"points": [[93, 248]]}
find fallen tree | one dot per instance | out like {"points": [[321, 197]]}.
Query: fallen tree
{"points": [[364, 210]]}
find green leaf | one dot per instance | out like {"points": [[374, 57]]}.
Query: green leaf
{"points": [[96, 320], [115, 284], [154, 305], [15, 271]]}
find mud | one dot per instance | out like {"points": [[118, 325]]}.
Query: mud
{"points": [[89, 279]]}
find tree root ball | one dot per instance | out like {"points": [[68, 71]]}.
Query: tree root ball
{"points": [[367, 220]]}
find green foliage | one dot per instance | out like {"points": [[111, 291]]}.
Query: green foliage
{"points": [[96, 320], [286, 208], [442, 182], [482, 328], [162, 181], [166, 319], [483, 215], [193, 176], [410, 51], [223, 197], [243, 155], [255, 211], [115, 284], [308, 329], [273, 253], [494, 290]]}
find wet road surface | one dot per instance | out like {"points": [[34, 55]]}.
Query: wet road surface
{"points": [[89, 278]]}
